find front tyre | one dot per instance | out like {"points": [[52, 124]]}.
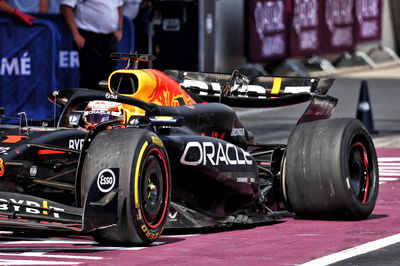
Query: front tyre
{"points": [[144, 183], [330, 170]]}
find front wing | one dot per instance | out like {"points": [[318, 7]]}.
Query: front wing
{"points": [[24, 212]]}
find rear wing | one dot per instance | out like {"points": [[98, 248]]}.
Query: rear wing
{"points": [[237, 90]]}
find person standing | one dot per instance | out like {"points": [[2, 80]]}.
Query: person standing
{"points": [[131, 8], [54, 6], [30, 6], [96, 27]]}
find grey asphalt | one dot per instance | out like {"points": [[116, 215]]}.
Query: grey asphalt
{"points": [[387, 256]]}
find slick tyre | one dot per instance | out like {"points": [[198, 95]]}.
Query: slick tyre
{"points": [[144, 183], [330, 170]]}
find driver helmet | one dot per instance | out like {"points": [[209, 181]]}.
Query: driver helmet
{"points": [[97, 112]]}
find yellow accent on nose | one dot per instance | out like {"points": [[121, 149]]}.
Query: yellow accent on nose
{"points": [[276, 86], [46, 206]]}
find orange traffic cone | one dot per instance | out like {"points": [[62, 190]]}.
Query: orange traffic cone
{"points": [[364, 109]]}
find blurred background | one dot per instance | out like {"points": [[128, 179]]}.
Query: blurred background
{"points": [[332, 38]]}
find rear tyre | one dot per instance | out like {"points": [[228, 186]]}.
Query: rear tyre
{"points": [[330, 170], [144, 182]]}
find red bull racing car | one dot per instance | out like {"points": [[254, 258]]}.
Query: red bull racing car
{"points": [[165, 149]]}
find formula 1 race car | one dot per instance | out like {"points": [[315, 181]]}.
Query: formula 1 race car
{"points": [[169, 151]]}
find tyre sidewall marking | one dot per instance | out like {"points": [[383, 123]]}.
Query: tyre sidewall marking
{"points": [[149, 232], [137, 171]]}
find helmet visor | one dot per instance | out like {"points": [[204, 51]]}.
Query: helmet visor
{"points": [[95, 117]]}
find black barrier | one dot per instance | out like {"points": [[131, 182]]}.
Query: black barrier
{"points": [[28, 67]]}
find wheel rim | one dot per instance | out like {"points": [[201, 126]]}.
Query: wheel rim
{"points": [[154, 187], [360, 176]]}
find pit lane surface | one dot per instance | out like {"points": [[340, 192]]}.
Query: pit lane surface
{"points": [[288, 242]]}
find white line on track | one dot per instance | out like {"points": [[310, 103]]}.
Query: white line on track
{"points": [[389, 159], [36, 262], [43, 255], [353, 252], [389, 164], [74, 249], [387, 173], [388, 178], [395, 168], [24, 242], [389, 169], [180, 235]]}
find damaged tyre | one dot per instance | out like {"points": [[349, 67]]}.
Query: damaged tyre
{"points": [[331, 170]]}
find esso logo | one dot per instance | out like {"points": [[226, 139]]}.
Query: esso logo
{"points": [[106, 180]]}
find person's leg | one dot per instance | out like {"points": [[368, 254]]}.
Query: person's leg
{"points": [[90, 61], [107, 65]]}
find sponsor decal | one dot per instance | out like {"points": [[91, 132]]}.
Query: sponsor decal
{"points": [[106, 180], [190, 106], [209, 153], [217, 135], [237, 132], [298, 89], [29, 206], [134, 121], [269, 19], [74, 119], [44, 123], [172, 216], [243, 90], [164, 117], [101, 112], [33, 170], [215, 88], [16, 66], [68, 59], [75, 144], [2, 169], [41, 129], [245, 180], [149, 234], [340, 23], [111, 96], [14, 138], [305, 23], [4, 150]]}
